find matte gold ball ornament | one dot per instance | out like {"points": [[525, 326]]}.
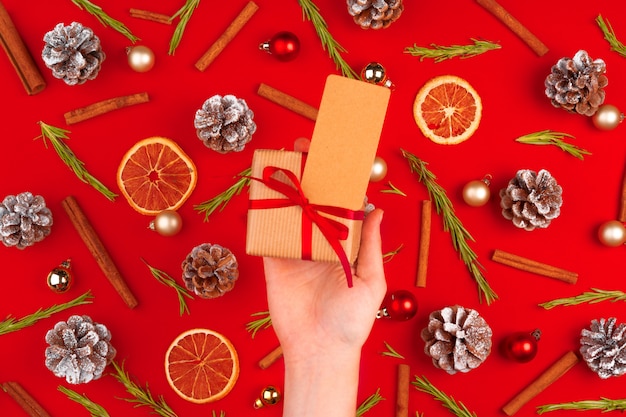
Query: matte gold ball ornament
{"points": [[140, 58], [379, 169], [60, 279], [607, 117], [270, 395], [167, 223], [476, 193], [612, 233]]}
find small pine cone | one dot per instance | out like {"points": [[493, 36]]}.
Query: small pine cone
{"points": [[531, 199], [457, 339], [225, 124], [210, 271], [24, 220], [73, 53], [603, 347], [79, 349], [375, 14], [575, 84]]}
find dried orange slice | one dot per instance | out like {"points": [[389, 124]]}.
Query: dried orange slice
{"points": [[447, 110], [201, 366], [156, 175]]}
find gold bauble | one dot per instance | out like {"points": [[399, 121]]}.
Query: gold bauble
{"points": [[140, 58], [270, 395], [379, 169], [612, 233], [476, 193], [167, 223], [60, 279], [607, 117]]}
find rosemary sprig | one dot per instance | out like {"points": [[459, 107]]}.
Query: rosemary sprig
{"points": [[369, 403], [441, 53], [393, 190], [459, 410], [548, 137], [391, 352], [604, 404], [168, 281], [222, 414], [259, 324], [312, 13], [220, 200], [142, 396], [56, 136], [96, 410], [10, 324], [387, 257], [451, 223], [591, 297], [105, 19], [610, 36], [185, 14]]}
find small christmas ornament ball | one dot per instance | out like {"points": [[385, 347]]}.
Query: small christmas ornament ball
{"points": [[476, 193], [399, 306], [607, 117], [379, 169], [60, 279], [140, 58], [521, 346], [612, 233], [375, 73], [167, 223], [270, 395], [285, 46]]}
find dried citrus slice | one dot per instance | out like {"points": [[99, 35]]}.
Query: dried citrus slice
{"points": [[447, 110], [156, 175], [201, 366]]}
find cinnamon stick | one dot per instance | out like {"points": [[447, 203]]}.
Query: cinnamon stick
{"points": [[622, 210], [554, 372], [229, 34], [287, 101], [105, 106], [422, 261], [528, 265], [24, 399], [151, 16], [97, 249], [515, 26], [402, 393], [19, 55], [271, 357]]}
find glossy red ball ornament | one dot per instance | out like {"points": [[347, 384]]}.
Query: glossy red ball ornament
{"points": [[285, 46], [400, 305], [521, 346]]}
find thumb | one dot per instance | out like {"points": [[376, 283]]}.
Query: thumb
{"points": [[370, 260]]}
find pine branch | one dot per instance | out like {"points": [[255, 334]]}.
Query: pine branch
{"points": [[96, 410], [168, 281], [548, 137], [387, 257], [459, 410], [185, 14], [369, 403], [260, 324], [604, 405], [393, 190], [591, 297], [221, 200], [391, 352], [441, 53], [105, 19], [610, 36]]}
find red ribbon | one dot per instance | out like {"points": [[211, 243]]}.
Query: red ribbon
{"points": [[332, 230]]}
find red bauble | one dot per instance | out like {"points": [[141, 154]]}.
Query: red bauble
{"points": [[285, 46], [399, 305], [521, 347]]}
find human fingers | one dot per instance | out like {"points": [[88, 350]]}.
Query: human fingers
{"points": [[301, 145], [370, 260]]}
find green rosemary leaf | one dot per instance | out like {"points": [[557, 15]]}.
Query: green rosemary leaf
{"points": [[441, 53], [610, 36], [604, 405], [185, 14], [104, 18], [311, 13], [96, 410], [221, 200], [458, 409], [391, 352], [259, 324], [10, 324], [548, 137], [393, 190], [387, 257], [369, 403], [56, 136], [451, 223], [222, 414], [142, 397], [591, 297], [168, 281]]}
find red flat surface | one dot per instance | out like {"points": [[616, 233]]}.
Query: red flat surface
{"points": [[510, 82]]}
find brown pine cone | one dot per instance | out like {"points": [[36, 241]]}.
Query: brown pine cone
{"points": [[375, 14], [457, 339], [210, 271], [603, 347], [225, 124], [79, 349], [24, 220], [575, 84]]}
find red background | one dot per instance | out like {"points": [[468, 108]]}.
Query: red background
{"points": [[510, 82]]}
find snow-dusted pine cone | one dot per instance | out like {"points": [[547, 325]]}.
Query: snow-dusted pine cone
{"points": [[457, 339], [24, 220], [603, 347], [576, 84], [375, 14], [210, 271], [225, 124], [531, 199], [79, 349], [73, 53]]}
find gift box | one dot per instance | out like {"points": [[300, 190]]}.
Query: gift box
{"points": [[310, 206]]}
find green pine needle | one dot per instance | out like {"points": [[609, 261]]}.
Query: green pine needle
{"points": [[142, 397], [458, 409], [610, 36], [57, 136], [387, 257], [222, 414], [591, 297], [369, 403], [391, 352], [10, 324], [185, 14], [451, 223], [548, 137], [168, 281], [393, 190], [312, 13], [105, 19], [441, 53], [604, 405], [259, 324], [96, 410], [221, 200]]}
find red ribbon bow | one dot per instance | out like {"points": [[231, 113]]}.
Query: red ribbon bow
{"points": [[332, 230]]}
